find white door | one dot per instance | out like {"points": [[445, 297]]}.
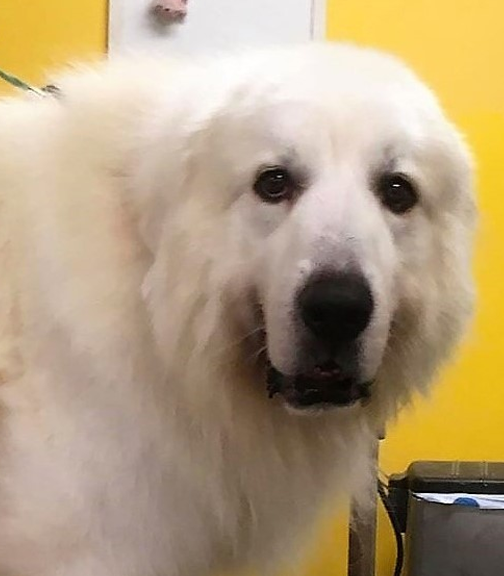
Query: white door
{"points": [[212, 25]]}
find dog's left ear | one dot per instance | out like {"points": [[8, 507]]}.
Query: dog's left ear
{"points": [[461, 162]]}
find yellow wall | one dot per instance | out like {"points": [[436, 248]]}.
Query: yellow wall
{"points": [[458, 47], [37, 35]]}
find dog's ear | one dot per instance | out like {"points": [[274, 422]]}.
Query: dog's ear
{"points": [[460, 167], [437, 311]]}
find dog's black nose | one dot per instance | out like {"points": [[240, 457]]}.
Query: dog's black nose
{"points": [[337, 307]]}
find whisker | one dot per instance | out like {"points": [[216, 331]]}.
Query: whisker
{"points": [[238, 341], [255, 355]]}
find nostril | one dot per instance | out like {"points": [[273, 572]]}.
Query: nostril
{"points": [[336, 307]]}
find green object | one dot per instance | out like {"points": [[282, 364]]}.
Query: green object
{"points": [[14, 81]]}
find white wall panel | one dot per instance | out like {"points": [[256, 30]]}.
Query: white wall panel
{"points": [[215, 24]]}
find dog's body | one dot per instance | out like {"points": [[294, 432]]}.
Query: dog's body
{"points": [[143, 280]]}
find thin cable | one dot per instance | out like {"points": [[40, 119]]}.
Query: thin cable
{"points": [[395, 527], [14, 81]]}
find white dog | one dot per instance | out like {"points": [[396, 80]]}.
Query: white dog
{"points": [[217, 278]]}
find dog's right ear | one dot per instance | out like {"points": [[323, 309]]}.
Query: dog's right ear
{"points": [[136, 133]]}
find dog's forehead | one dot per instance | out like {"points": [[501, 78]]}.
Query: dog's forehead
{"points": [[348, 89], [320, 127]]}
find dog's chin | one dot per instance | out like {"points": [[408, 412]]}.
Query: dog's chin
{"points": [[317, 389]]}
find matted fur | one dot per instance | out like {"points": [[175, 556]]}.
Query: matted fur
{"points": [[136, 434]]}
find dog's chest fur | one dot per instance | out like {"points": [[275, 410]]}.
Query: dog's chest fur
{"points": [[112, 483]]}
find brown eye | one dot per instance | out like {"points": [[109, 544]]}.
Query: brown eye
{"points": [[397, 193], [274, 185]]}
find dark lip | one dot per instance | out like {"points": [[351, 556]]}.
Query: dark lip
{"points": [[313, 389]]}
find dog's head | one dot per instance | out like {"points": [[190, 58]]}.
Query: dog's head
{"points": [[342, 198]]}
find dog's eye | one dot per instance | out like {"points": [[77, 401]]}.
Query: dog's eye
{"points": [[397, 193], [274, 185]]}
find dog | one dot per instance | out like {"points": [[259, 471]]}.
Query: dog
{"points": [[219, 277]]}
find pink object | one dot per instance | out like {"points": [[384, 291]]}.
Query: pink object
{"points": [[170, 10]]}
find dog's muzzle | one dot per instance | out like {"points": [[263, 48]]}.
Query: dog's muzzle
{"points": [[335, 309]]}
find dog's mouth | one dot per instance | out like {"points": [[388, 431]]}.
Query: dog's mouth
{"points": [[323, 386]]}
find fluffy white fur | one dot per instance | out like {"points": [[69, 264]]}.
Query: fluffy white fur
{"points": [[136, 435]]}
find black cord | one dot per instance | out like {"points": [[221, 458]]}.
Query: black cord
{"points": [[395, 526]]}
